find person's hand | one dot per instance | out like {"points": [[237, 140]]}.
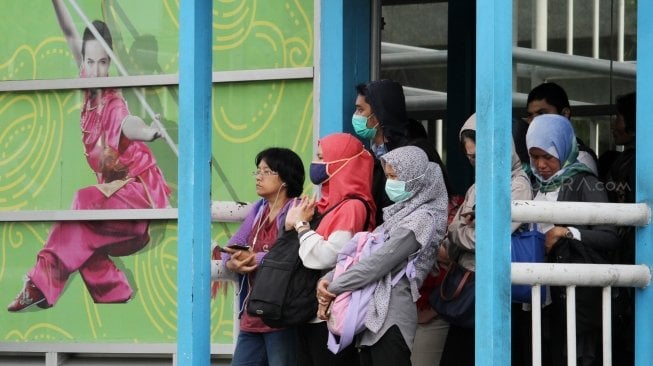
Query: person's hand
{"points": [[324, 299], [443, 254], [241, 261], [300, 211], [151, 133], [426, 315], [154, 132], [469, 218], [553, 235]]}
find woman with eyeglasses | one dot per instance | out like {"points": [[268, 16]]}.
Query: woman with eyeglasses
{"points": [[343, 169], [279, 178]]}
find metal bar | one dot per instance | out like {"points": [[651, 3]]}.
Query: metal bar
{"points": [[595, 29], [570, 27], [572, 62], [195, 132], [521, 55], [571, 325], [587, 275], [221, 211], [621, 25], [540, 18], [107, 348], [155, 80], [416, 58], [607, 325], [594, 137], [581, 213], [439, 138], [536, 316], [644, 178], [493, 108]]}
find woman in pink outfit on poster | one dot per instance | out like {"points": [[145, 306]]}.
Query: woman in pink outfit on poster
{"points": [[127, 178]]}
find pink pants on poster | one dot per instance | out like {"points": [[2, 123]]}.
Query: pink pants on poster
{"points": [[86, 247]]}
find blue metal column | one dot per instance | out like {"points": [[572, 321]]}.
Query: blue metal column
{"points": [[644, 179], [344, 60], [493, 150], [193, 267]]}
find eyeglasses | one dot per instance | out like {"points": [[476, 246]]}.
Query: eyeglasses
{"points": [[263, 173]]}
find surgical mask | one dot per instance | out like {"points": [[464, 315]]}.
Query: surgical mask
{"points": [[318, 173], [396, 189], [360, 126]]}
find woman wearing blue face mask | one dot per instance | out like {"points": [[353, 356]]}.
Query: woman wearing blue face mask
{"points": [[343, 170], [413, 226]]}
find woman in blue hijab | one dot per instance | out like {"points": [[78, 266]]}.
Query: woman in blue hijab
{"points": [[553, 152]]}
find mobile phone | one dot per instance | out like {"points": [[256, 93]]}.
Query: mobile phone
{"points": [[238, 247]]}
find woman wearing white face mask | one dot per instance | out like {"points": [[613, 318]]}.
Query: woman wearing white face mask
{"points": [[412, 226]]}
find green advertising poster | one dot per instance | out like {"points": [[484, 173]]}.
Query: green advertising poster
{"points": [[60, 149]]}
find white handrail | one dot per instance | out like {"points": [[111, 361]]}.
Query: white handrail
{"points": [[581, 213], [580, 274]]}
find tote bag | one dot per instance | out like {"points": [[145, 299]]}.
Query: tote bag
{"points": [[526, 246], [454, 299]]}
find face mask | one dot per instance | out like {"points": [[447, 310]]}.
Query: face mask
{"points": [[360, 127], [396, 189], [318, 173]]}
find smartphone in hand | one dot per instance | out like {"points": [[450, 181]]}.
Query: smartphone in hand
{"points": [[238, 247]]}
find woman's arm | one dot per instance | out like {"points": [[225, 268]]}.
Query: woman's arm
{"points": [[69, 31], [462, 230], [318, 252], [135, 129], [587, 188], [371, 269], [599, 237]]}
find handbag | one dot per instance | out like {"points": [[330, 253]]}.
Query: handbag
{"points": [[454, 298], [526, 246]]}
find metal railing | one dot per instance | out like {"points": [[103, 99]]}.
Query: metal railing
{"points": [[573, 275]]}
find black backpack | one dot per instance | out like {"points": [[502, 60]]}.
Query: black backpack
{"points": [[283, 294]]}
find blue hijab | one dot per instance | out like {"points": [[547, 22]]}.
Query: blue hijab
{"points": [[554, 134]]}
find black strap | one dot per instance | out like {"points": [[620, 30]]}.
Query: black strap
{"points": [[317, 218]]}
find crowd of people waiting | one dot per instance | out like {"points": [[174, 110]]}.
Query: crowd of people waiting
{"points": [[398, 189]]}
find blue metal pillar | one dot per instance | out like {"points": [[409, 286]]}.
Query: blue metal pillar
{"points": [[344, 60], [644, 179], [493, 150], [193, 267]]}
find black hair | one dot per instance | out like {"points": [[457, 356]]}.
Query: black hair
{"points": [[288, 165], [103, 29], [361, 89], [469, 134], [519, 129], [553, 93], [415, 130], [388, 102], [626, 106]]}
